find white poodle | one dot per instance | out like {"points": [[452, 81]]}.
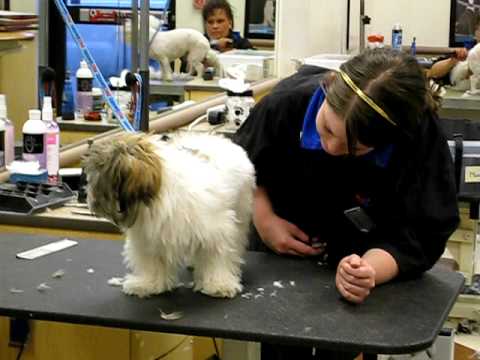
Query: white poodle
{"points": [[166, 46], [185, 201]]}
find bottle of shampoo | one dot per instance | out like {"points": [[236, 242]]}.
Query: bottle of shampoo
{"points": [[34, 131], [9, 139], [397, 34], [84, 101], [52, 141]]}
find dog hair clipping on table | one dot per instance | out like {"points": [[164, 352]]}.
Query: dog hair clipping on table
{"points": [[16, 291], [247, 295], [172, 316], [90, 271], [116, 281], [292, 283], [43, 287], [58, 274], [278, 284]]}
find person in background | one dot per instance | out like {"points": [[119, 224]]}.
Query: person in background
{"points": [[352, 167], [218, 20], [442, 67]]}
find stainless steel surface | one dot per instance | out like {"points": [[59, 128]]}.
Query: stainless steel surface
{"points": [[144, 71], [43, 33], [134, 36], [361, 44]]}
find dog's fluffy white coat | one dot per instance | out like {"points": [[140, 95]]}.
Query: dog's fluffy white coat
{"points": [[199, 217]]}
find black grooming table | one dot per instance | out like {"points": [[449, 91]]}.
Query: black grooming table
{"points": [[399, 317]]}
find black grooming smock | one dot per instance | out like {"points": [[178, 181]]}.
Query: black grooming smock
{"points": [[411, 198]]}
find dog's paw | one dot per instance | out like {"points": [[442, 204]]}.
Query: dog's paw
{"points": [[134, 285], [225, 290]]}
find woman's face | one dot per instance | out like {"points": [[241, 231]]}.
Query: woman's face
{"points": [[333, 134], [218, 24]]}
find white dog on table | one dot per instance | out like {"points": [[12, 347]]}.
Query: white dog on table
{"points": [[167, 46], [185, 201]]}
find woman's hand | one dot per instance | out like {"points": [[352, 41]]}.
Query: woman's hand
{"points": [[284, 237], [355, 278], [460, 54], [224, 44]]}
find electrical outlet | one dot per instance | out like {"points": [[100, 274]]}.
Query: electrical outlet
{"points": [[19, 329]]}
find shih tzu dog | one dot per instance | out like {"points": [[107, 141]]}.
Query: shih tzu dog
{"points": [[183, 201]]}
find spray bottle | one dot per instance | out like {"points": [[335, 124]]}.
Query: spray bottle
{"points": [[9, 139], [52, 139], [34, 131]]}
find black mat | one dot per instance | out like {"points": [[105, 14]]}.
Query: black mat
{"points": [[398, 317]]}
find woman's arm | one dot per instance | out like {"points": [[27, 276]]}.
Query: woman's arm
{"points": [[357, 276], [383, 263], [278, 234], [443, 67]]}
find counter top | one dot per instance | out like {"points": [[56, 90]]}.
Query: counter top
{"points": [[64, 217], [454, 99], [10, 41]]}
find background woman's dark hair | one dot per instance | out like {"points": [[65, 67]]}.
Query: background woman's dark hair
{"points": [[213, 5], [396, 83]]}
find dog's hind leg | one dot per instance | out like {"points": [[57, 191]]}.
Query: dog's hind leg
{"points": [[195, 58], [218, 264]]}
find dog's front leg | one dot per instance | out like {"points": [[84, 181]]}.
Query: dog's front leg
{"points": [[150, 274], [167, 74], [216, 275]]}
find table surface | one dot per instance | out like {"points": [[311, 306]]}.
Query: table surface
{"points": [[399, 317], [454, 99]]}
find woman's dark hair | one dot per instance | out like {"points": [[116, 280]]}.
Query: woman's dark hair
{"points": [[397, 85], [213, 5]]}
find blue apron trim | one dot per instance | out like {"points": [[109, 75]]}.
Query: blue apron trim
{"points": [[235, 35], [310, 140]]}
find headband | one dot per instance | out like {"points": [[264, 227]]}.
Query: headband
{"points": [[365, 97]]}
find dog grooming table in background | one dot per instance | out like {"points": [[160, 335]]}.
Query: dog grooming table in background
{"points": [[299, 304]]}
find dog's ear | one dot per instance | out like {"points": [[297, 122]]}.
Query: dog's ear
{"points": [[125, 173], [138, 175]]}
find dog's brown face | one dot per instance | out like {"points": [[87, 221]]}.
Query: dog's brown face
{"points": [[122, 173]]}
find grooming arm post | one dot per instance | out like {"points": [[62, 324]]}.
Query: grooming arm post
{"points": [[144, 72]]}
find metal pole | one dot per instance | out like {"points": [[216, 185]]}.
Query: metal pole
{"points": [[134, 36], [42, 43], [361, 43], [144, 72]]}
